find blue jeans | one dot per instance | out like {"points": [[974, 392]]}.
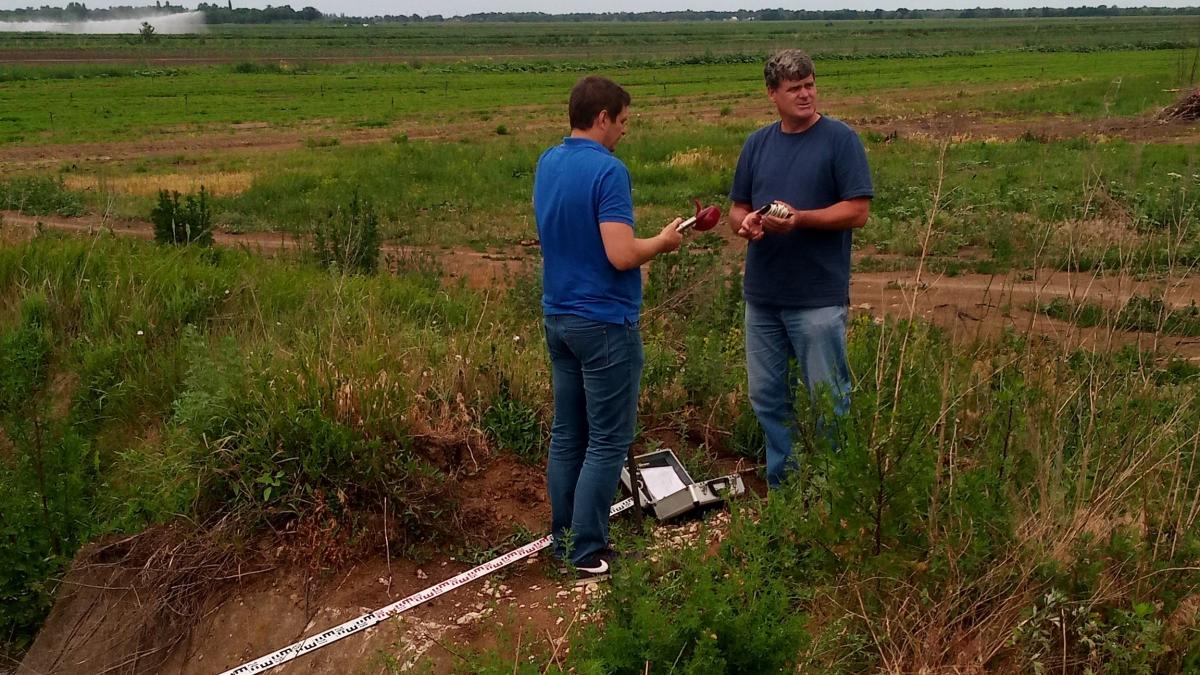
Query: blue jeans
{"points": [[816, 338], [597, 369]]}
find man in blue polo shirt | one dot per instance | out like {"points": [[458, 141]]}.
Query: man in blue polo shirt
{"points": [[797, 279], [591, 302]]}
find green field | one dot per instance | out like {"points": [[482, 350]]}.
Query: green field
{"points": [[129, 102], [460, 142], [615, 40]]}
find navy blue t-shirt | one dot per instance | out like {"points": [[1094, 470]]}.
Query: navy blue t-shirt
{"points": [[813, 169], [578, 185]]}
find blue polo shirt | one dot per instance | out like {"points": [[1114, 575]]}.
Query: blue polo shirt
{"points": [[578, 185], [813, 169]]}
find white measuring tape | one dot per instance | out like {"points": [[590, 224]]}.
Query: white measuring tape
{"points": [[367, 620]]}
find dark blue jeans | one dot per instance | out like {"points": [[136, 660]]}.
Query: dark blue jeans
{"points": [[816, 338], [597, 368]]}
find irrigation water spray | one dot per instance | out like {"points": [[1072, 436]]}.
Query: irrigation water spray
{"points": [[164, 24]]}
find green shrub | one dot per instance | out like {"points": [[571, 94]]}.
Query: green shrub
{"points": [[40, 195], [186, 222], [705, 373], [322, 142], [747, 438], [147, 33], [25, 355], [730, 613], [269, 438], [348, 240], [513, 425], [47, 486]]}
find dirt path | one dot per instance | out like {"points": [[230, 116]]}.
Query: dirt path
{"points": [[969, 306], [975, 126], [978, 307], [478, 269]]}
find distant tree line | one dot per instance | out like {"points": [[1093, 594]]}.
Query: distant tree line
{"points": [[830, 15], [229, 14], [77, 11], [215, 13]]}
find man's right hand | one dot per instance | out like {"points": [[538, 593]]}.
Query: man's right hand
{"points": [[751, 228], [670, 238]]}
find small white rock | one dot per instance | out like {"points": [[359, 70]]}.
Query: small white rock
{"points": [[469, 618]]}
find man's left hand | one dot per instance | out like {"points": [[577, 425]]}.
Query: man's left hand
{"points": [[781, 225]]}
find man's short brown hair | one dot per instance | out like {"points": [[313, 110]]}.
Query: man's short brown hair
{"points": [[593, 94], [787, 64]]}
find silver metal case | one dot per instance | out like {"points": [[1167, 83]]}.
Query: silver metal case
{"points": [[680, 494]]}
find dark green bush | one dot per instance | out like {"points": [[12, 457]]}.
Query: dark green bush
{"points": [[47, 484], [183, 222], [736, 612], [25, 355], [348, 240]]}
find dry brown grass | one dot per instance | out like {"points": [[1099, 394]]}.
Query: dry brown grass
{"points": [[1083, 489], [697, 157], [1096, 233], [221, 183]]}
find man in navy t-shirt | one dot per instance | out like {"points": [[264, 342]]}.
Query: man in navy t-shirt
{"points": [[591, 301], [797, 280]]}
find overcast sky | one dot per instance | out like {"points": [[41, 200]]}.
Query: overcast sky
{"points": [[457, 7]]}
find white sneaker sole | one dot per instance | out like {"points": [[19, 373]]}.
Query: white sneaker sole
{"points": [[587, 580]]}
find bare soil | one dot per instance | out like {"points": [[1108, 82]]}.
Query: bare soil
{"points": [[102, 619], [107, 616]]}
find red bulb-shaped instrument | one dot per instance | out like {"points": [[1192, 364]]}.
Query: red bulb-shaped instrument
{"points": [[706, 218]]}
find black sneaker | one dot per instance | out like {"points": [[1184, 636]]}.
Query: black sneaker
{"points": [[593, 568], [615, 557], [610, 555]]}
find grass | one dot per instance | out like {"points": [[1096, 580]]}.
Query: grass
{"points": [[1001, 200], [1005, 504], [983, 490], [446, 159], [40, 195], [1140, 313], [188, 347], [1014, 498]]}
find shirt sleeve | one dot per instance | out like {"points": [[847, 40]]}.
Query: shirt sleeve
{"points": [[615, 199], [743, 175], [851, 170]]}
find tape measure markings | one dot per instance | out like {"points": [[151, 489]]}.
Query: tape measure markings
{"points": [[365, 621]]}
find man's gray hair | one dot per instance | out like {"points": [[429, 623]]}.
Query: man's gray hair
{"points": [[787, 64]]}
